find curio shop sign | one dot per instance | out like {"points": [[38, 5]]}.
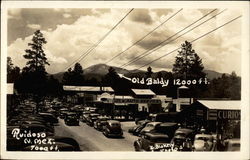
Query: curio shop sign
{"points": [[228, 114]]}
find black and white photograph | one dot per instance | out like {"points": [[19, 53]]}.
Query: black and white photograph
{"points": [[158, 78]]}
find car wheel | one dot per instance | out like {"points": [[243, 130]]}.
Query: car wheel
{"points": [[137, 147]]}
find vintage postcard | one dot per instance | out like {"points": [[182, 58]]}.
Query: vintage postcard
{"points": [[109, 80]]}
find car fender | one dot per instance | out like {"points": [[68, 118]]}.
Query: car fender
{"points": [[137, 145]]}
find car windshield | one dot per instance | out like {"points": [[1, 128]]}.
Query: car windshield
{"points": [[161, 140], [150, 125], [205, 138], [115, 124], [180, 134]]}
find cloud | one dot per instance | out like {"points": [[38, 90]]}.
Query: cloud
{"points": [[14, 13], [162, 12], [141, 16], [34, 26], [66, 15], [69, 38]]}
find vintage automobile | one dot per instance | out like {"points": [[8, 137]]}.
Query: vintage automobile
{"points": [[137, 129], [203, 142], [66, 140], [153, 142], [167, 128], [232, 144], [49, 117], [100, 123], [62, 112], [71, 118], [183, 139], [84, 116], [36, 128], [92, 118], [58, 146], [112, 129], [149, 127], [13, 144]]}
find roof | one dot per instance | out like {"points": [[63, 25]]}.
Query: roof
{"points": [[143, 92], [87, 88], [123, 97], [221, 105], [183, 87]]}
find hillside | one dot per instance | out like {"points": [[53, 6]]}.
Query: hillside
{"points": [[99, 70]]}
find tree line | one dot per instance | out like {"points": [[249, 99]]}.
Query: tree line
{"points": [[33, 79]]}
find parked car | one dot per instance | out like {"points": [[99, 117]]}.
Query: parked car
{"points": [[58, 146], [67, 140], [84, 116], [62, 112], [71, 118], [92, 118], [150, 127], [113, 129], [100, 123], [167, 128], [232, 144], [165, 117], [153, 142], [13, 144], [36, 128], [137, 129], [183, 139], [203, 142], [49, 117]]}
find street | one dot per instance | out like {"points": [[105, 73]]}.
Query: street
{"points": [[90, 139]]}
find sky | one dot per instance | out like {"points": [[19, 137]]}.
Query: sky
{"points": [[71, 32]]}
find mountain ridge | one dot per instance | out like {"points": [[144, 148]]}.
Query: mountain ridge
{"points": [[99, 70]]}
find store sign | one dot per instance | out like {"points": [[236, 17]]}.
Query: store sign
{"points": [[149, 101], [228, 114]]}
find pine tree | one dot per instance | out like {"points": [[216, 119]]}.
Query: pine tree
{"points": [[75, 76], [188, 64], [36, 56], [13, 72]]}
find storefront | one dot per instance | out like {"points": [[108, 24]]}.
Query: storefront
{"points": [[217, 116]]}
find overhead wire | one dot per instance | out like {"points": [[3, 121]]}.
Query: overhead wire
{"points": [[95, 45], [159, 44], [190, 42], [117, 55]]}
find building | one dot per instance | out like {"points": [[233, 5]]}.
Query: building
{"points": [[218, 116]]}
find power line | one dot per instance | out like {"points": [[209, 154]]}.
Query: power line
{"points": [[191, 41], [117, 55], [151, 50], [95, 45]]}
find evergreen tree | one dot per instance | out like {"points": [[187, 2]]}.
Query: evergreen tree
{"points": [[36, 56], [34, 76], [188, 64], [75, 76], [149, 72], [13, 72]]}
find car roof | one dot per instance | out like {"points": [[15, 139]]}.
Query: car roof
{"points": [[168, 124], [154, 123], [234, 140], [184, 130], [156, 135], [94, 114], [113, 121], [70, 113], [203, 135]]}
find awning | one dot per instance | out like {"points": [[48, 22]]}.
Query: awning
{"points": [[221, 105], [143, 92]]}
